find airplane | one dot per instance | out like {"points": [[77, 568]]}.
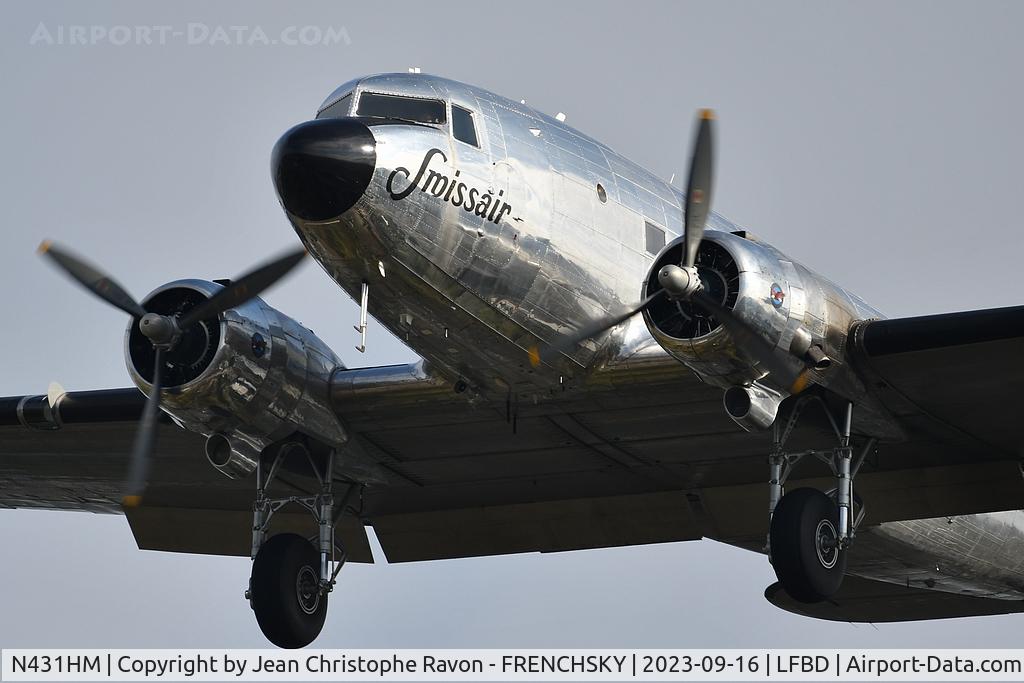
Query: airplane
{"points": [[605, 361]]}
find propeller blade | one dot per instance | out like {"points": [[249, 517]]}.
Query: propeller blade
{"points": [[698, 204], [592, 330], [142, 449], [698, 188], [92, 278], [241, 290], [751, 341]]}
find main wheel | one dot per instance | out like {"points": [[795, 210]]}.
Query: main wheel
{"points": [[285, 591], [805, 548]]}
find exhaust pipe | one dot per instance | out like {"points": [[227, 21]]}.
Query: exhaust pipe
{"points": [[233, 458], [754, 407], [803, 348], [817, 358]]}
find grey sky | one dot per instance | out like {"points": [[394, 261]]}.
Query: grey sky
{"points": [[879, 143]]}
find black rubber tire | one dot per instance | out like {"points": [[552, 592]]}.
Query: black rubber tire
{"points": [[794, 552], [275, 595]]}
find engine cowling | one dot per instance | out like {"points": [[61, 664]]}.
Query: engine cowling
{"points": [[802, 315], [246, 379], [740, 275]]}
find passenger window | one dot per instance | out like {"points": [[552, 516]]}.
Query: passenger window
{"points": [[337, 110], [462, 125], [655, 238], [398, 107]]}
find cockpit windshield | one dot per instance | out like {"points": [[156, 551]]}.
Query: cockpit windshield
{"points": [[337, 110], [416, 109]]}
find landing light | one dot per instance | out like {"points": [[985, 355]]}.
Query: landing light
{"points": [[380, 268], [367, 148]]}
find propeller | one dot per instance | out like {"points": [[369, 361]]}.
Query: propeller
{"points": [[683, 283], [164, 332]]}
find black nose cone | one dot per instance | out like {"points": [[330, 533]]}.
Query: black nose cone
{"points": [[322, 167]]}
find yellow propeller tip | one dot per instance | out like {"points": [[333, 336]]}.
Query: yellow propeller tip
{"points": [[707, 114], [801, 382], [44, 246], [131, 501], [534, 356]]}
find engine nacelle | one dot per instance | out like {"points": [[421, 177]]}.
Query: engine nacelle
{"points": [[246, 379], [803, 315]]}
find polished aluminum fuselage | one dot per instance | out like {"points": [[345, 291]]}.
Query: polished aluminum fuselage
{"points": [[472, 293]]}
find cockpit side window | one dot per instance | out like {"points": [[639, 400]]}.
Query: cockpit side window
{"points": [[339, 109], [462, 125], [416, 109]]}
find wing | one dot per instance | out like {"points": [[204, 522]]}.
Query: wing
{"points": [[74, 456], [866, 601], [958, 375], [643, 453]]}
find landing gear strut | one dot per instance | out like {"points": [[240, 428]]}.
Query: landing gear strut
{"points": [[810, 531], [292, 576]]}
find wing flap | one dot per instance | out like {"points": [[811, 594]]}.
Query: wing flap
{"points": [[229, 532], [537, 527]]}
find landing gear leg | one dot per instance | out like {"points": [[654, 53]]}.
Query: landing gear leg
{"points": [[292, 576], [810, 530]]}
